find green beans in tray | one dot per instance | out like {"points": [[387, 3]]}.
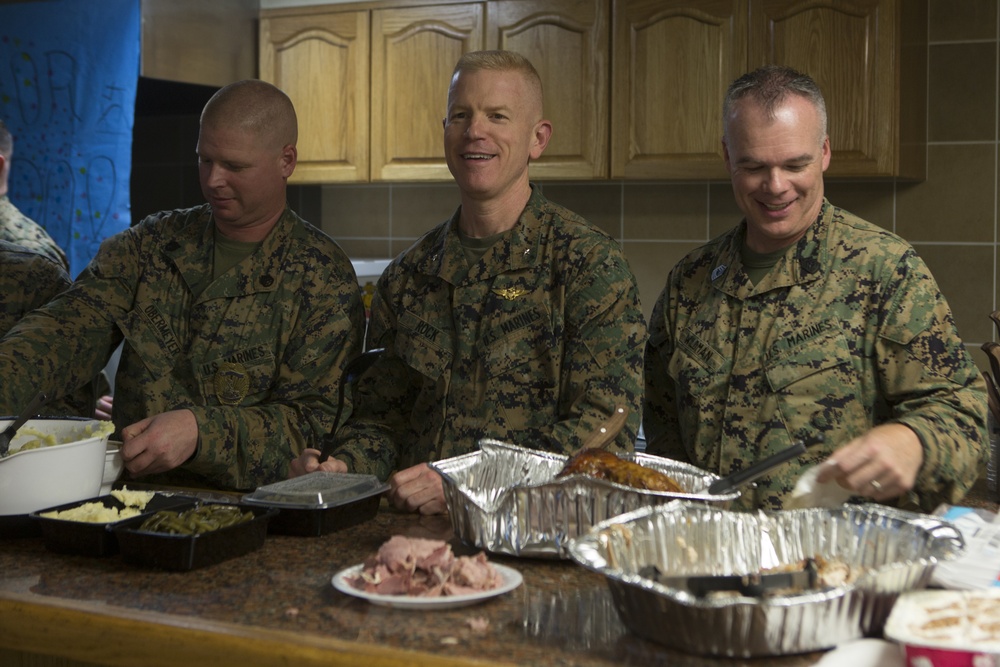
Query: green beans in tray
{"points": [[193, 535], [201, 519]]}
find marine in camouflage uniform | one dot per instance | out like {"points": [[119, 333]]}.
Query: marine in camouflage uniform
{"points": [[19, 229], [16, 227], [28, 280], [536, 345], [256, 354], [848, 330]]}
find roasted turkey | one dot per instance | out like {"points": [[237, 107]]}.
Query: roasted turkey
{"points": [[602, 464]]}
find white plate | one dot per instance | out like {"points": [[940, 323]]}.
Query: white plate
{"points": [[510, 577]]}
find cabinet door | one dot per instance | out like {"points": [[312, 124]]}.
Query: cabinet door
{"points": [[414, 51], [320, 60], [671, 66], [874, 90], [567, 42]]}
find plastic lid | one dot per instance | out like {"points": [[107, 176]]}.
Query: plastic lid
{"points": [[317, 490]]}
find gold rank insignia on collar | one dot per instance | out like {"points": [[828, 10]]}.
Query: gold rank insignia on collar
{"points": [[510, 293]]}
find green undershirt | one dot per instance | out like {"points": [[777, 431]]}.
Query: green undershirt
{"points": [[759, 264], [229, 253]]}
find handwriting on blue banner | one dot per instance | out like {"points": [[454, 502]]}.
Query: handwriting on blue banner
{"points": [[68, 76]]}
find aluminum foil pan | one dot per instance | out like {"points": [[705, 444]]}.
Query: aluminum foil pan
{"points": [[505, 498], [897, 551]]}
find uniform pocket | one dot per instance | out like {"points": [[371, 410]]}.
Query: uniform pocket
{"points": [[816, 386], [422, 346], [244, 377], [150, 336]]}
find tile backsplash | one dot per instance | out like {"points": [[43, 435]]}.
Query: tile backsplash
{"points": [[951, 218]]}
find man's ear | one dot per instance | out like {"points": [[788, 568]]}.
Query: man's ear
{"points": [[543, 132]]}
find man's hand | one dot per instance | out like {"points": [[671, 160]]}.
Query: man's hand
{"points": [[103, 408], [418, 489], [308, 461], [881, 464], [159, 443]]}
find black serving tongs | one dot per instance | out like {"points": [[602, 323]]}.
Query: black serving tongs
{"points": [[737, 479], [749, 585], [354, 369]]}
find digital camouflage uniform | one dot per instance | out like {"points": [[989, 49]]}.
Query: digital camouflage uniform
{"points": [[22, 230], [28, 280], [847, 331], [535, 346], [256, 355]]}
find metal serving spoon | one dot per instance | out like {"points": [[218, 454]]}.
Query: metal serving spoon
{"points": [[737, 479], [27, 413], [354, 369]]}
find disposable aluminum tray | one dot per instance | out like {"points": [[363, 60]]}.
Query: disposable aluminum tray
{"points": [[896, 550], [507, 500]]}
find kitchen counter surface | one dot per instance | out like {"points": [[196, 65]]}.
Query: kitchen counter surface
{"points": [[277, 606]]}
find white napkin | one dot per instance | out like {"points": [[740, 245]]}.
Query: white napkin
{"points": [[809, 493]]}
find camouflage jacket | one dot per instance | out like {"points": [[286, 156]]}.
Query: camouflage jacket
{"points": [[256, 355], [28, 280], [847, 331], [22, 230], [535, 345]]}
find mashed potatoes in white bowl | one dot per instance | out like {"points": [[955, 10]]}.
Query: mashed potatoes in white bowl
{"points": [[52, 462]]}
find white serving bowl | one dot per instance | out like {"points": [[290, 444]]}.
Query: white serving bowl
{"points": [[34, 479], [113, 466]]}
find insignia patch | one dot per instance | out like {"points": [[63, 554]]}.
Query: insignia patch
{"points": [[510, 293], [718, 271], [231, 383]]}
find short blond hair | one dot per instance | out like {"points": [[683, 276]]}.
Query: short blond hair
{"points": [[500, 61]]}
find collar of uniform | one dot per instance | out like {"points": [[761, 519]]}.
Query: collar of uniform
{"points": [[519, 249], [803, 264], [192, 249]]}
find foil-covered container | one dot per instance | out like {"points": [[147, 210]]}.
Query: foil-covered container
{"points": [[506, 499], [894, 550]]}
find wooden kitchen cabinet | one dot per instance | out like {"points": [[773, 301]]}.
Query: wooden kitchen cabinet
{"points": [[672, 63], [321, 62], [181, 40], [567, 42], [869, 58], [414, 51]]}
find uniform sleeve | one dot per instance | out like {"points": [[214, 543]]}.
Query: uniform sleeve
{"points": [[932, 385], [659, 410], [248, 445], [82, 319], [603, 352], [383, 399]]}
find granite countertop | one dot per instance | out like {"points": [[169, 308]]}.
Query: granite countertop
{"points": [[561, 615], [282, 596]]}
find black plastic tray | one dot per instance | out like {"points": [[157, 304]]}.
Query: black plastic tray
{"points": [[316, 522], [13, 526], [95, 539], [189, 552]]}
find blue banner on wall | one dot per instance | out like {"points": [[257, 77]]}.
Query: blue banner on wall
{"points": [[68, 75]]}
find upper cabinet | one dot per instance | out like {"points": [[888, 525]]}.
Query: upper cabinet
{"points": [[567, 42], [633, 88], [414, 50], [320, 60], [869, 58], [181, 40], [672, 63]]}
